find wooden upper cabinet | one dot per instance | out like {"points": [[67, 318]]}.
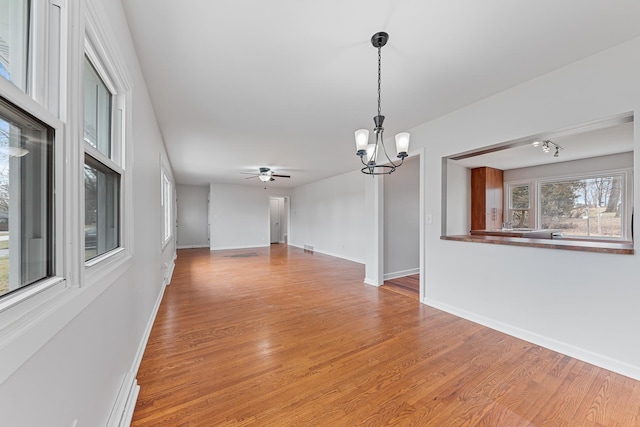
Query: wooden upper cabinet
{"points": [[486, 198]]}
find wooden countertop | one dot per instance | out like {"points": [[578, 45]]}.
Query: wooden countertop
{"points": [[529, 233], [609, 247]]}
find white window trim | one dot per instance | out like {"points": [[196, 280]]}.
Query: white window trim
{"points": [[22, 312], [29, 318], [110, 69], [166, 198], [534, 194], [508, 186]]}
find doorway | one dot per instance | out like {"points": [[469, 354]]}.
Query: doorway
{"points": [[278, 219], [402, 229]]}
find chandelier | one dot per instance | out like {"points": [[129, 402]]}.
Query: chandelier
{"points": [[370, 154]]}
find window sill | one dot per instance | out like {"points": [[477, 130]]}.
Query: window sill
{"points": [[622, 248]]}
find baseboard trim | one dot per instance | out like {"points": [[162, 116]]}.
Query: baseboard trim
{"points": [[167, 279], [359, 261], [122, 411], [371, 282], [227, 248], [192, 246], [596, 359], [403, 273]]}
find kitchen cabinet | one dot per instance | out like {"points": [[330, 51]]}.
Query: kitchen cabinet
{"points": [[486, 198]]}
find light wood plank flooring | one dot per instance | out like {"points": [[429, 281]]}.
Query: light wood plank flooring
{"points": [[408, 286], [279, 337]]}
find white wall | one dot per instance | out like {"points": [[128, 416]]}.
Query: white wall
{"points": [[239, 215], [582, 304], [330, 216], [402, 220], [96, 330], [193, 216]]}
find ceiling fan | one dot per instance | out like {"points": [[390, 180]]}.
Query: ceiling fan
{"points": [[266, 175]]}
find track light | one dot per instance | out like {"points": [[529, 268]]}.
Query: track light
{"points": [[547, 145]]}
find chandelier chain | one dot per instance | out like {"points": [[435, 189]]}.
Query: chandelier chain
{"points": [[379, 79]]}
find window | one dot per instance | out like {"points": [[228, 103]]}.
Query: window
{"points": [[102, 208], [587, 207], [26, 207], [594, 206], [102, 173], [97, 110], [166, 208], [519, 206], [14, 41]]}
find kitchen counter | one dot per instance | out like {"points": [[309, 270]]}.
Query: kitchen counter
{"points": [[530, 233], [608, 247]]}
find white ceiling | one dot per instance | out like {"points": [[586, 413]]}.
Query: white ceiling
{"points": [[284, 83]]}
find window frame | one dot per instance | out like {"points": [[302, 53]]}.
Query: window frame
{"points": [[532, 201], [42, 98], [167, 207], [56, 281], [31, 316], [535, 185], [111, 72]]}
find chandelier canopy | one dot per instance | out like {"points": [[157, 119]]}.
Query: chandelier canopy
{"points": [[369, 153]]}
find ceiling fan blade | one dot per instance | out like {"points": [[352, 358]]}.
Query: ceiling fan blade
{"points": [[281, 176], [249, 177]]}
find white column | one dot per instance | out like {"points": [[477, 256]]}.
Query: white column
{"points": [[374, 201]]}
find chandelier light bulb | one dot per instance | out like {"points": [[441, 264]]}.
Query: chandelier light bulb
{"points": [[402, 143], [362, 139]]}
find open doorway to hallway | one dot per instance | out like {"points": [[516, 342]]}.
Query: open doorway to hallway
{"points": [[278, 219], [402, 229]]}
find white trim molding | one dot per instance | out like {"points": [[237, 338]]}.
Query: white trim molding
{"points": [[623, 368], [403, 273]]}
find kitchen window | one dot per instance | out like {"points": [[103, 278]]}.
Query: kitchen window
{"points": [[590, 206], [519, 205]]}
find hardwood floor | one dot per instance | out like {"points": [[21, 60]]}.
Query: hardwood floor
{"points": [[279, 337], [408, 286]]}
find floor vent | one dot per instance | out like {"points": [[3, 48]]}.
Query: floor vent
{"points": [[308, 249]]}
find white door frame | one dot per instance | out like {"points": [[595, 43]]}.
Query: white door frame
{"points": [[287, 211]]}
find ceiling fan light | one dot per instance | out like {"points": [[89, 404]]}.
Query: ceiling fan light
{"points": [[402, 143], [264, 177], [362, 139]]}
